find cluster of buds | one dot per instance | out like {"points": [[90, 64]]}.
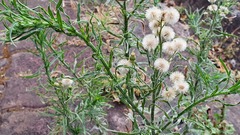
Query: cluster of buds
{"points": [[222, 10]]}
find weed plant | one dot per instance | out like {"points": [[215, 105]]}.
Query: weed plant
{"points": [[165, 97]]}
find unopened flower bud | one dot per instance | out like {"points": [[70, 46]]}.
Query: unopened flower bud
{"points": [[66, 82]]}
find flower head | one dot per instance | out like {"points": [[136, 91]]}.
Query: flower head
{"points": [[66, 82], [180, 44], [150, 42], [181, 87], [212, 7], [169, 94], [167, 33], [162, 65], [153, 13], [177, 77], [171, 15], [123, 62], [168, 48]]}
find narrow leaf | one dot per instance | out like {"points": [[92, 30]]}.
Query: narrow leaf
{"points": [[59, 19], [225, 67], [110, 59], [58, 4], [50, 13], [78, 13], [27, 35]]}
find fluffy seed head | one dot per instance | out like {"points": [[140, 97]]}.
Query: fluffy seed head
{"points": [[212, 1], [212, 7], [154, 26], [162, 65], [177, 77], [181, 87], [153, 13], [167, 33], [168, 48], [169, 95], [171, 15], [180, 44], [150, 42], [66, 82], [123, 62]]}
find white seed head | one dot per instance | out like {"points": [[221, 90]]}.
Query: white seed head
{"points": [[212, 7], [67, 82], [177, 77], [180, 44], [162, 65], [168, 48], [171, 15], [212, 1], [123, 70], [181, 87], [154, 26], [153, 13], [169, 95], [167, 33], [150, 42]]}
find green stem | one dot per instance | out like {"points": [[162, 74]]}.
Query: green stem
{"points": [[44, 57], [136, 8], [132, 105], [125, 29], [204, 45], [154, 85], [191, 106], [153, 110], [126, 18]]}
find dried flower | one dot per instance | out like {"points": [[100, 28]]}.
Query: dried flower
{"points": [[212, 7], [123, 62], [168, 48], [180, 44], [177, 77], [169, 95], [153, 13], [167, 33], [150, 42], [181, 87], [171, 15], [162, 65], [66, 82]]}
